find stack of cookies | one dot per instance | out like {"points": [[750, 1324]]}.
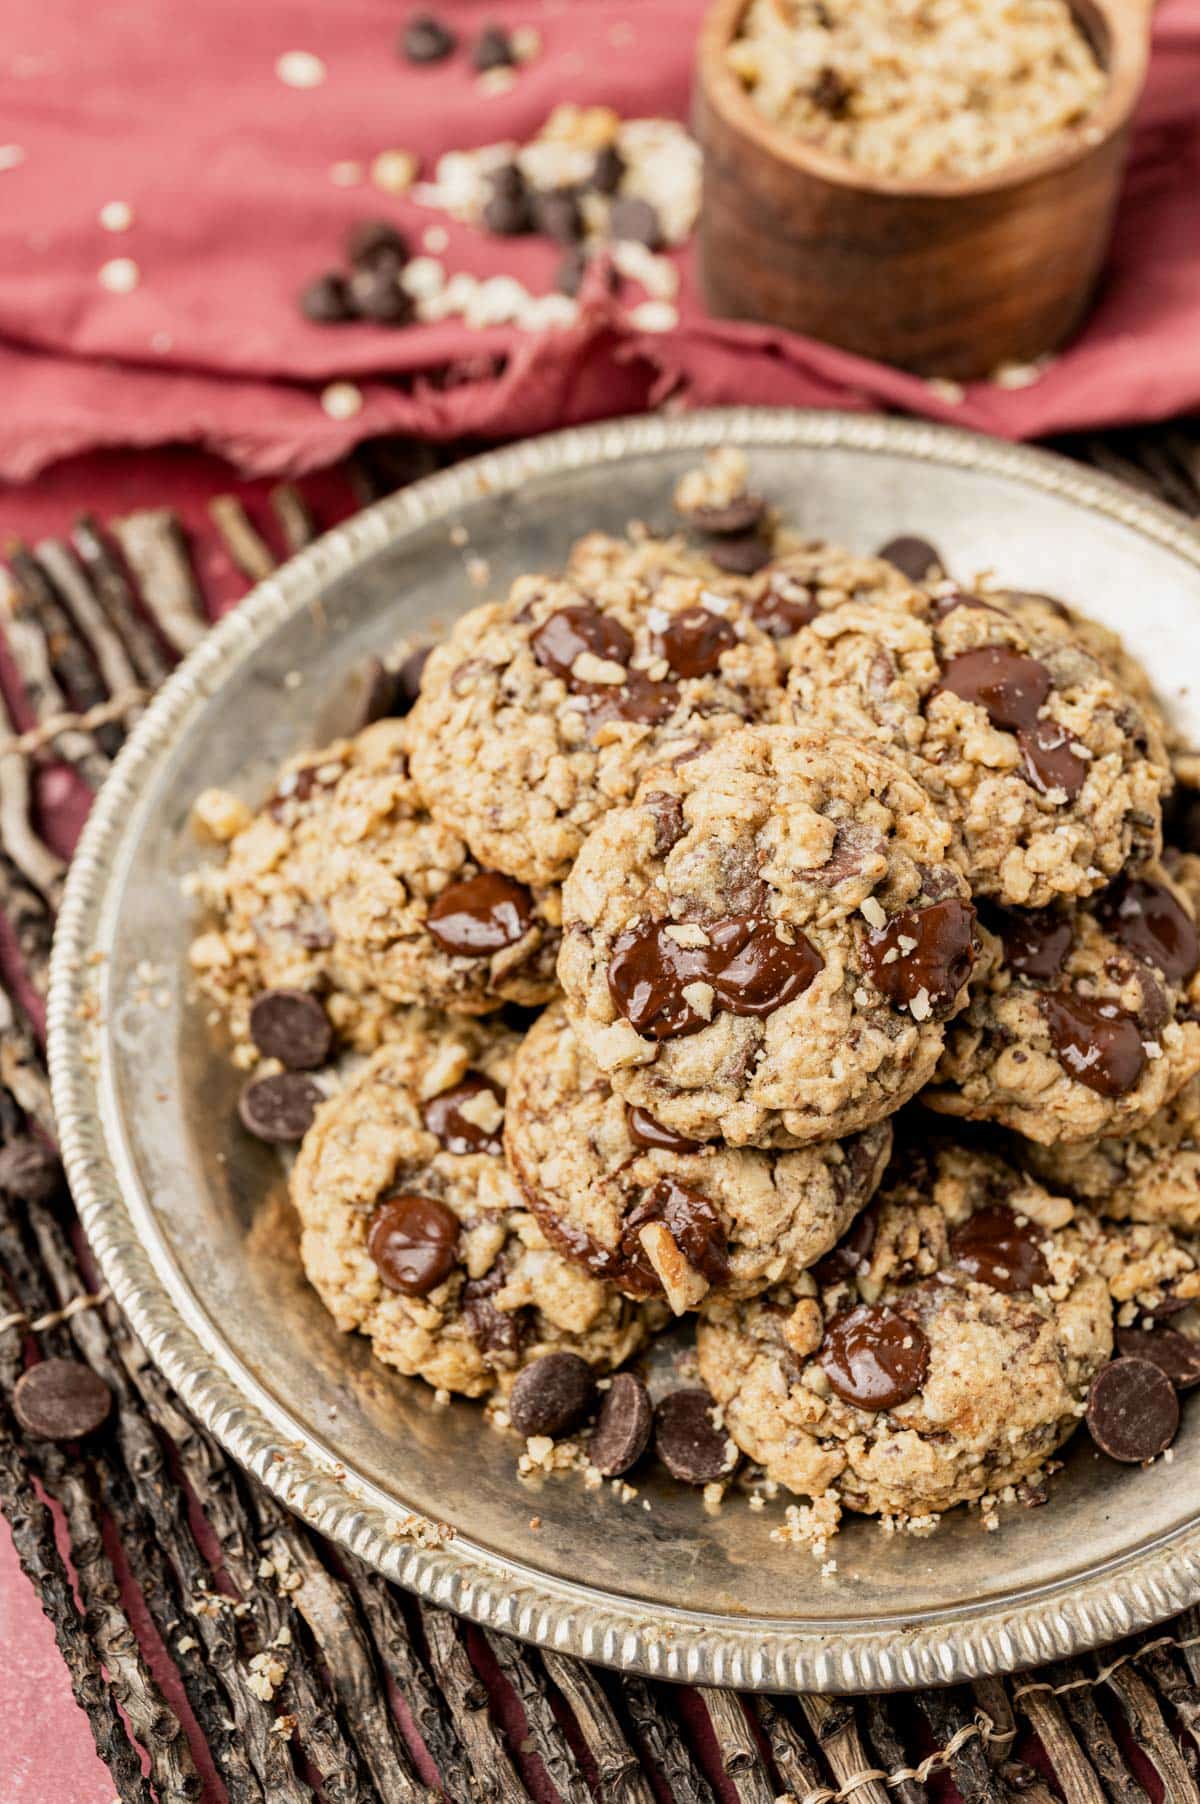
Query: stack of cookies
{"points": [[739, 930]]}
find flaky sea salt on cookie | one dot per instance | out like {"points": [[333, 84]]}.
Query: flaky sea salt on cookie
{"points": [[414, 1234], [657, 1214], [1050, 775], [943, 1352], [541, 712], [766, 945]]}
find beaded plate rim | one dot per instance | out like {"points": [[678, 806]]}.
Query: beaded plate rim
{"points": [[708, 1648]]}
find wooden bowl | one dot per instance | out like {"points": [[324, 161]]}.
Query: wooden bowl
{"points": [[945, 276]]}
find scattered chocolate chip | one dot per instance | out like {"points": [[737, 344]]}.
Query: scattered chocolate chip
{"points": [[1096, 1043], [279, 1109], [481, 915], [492, 49], [687, 1441], [507, 178], [622, 1431], [607, 170], [1178, 1355], [376, 244], [635, 219], [291, 1026], [666, 811], [552, 1394], [1145, 918], [29, 1171], [376, 295], [564, 635], [1132, 1410], [508, 210], [326, 300], [874, 1357], [443, 1117], [426, 40], [742, 514], [1012, 689], [784, 605], [741, 554], [61, 1400], [913, 557], [1035, 941], [693, 1224], [646, 1132], [998, 1250], [571, 271], [414, 1242], [556, 215], [831, 93], [934, 952], [694, 641]]}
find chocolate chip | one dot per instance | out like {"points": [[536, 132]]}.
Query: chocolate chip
{"points": [[498, 1333], [426, 40], [740, 515], [1178, 1355], [647, 974], [29, 1171], [666, 811], [492, 49], [443, 1117], [635, 219], [874, 1357], [688, 1443], [855, 845], [1132, 1410], [754, 971], [1181, 819], [693, 1224], [1145, 918], [556, 214], [638, 698], [326, 299], [1096, 1043], [569, 276], [607, 170], [481, 915], [852, 1254], [551, 1395], [564, 635], [376, 295], [751, 970], [831, 93], [998, 1250], [279, 1109], [784, 605], [376, 244], [646, 1132], [934, 952], [741, 554], [291, 1026], [508, 210], [61, 1400], [1013, 689], [1035, 941], [694, 641], [622, 1431], [913, 557], [408, 678], [414, 1242]]}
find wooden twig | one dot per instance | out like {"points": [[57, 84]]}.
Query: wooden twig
{"points": [[493, 1776], [70, 659], [31, 655], [1078, 1700], [619, 1774], [520, 1668], [1152, 1736], [661, 1743], [154, 547], [1176, 1686], [241, 538], [885, 1742], [36, 862], [741, 1760], [74, 587], [947, 1712], [295, 518], [793, 1761], [28, 917], [992, 1698], [21, 1069], [1175, 484], [1074, 1772], [834, 1723], [117, 599]]}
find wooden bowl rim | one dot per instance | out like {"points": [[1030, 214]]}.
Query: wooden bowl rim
{"points": [[1128, 29]]}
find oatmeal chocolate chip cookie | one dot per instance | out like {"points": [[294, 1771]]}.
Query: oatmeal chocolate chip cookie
{"points": [[942, 1352], [342, 885], [657, 1214], [541, 712], [415, 1235], [766, 945], [1084, 1023], [1049, 773], [1149, 1175]]}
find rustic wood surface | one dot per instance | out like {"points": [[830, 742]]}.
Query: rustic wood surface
{"points": [[306, 1676]]}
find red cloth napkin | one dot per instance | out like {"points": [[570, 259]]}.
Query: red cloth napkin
{"points": [[178, 111]]}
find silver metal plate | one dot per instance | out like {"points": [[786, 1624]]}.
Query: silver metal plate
{"points": [[189, 1218]]}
